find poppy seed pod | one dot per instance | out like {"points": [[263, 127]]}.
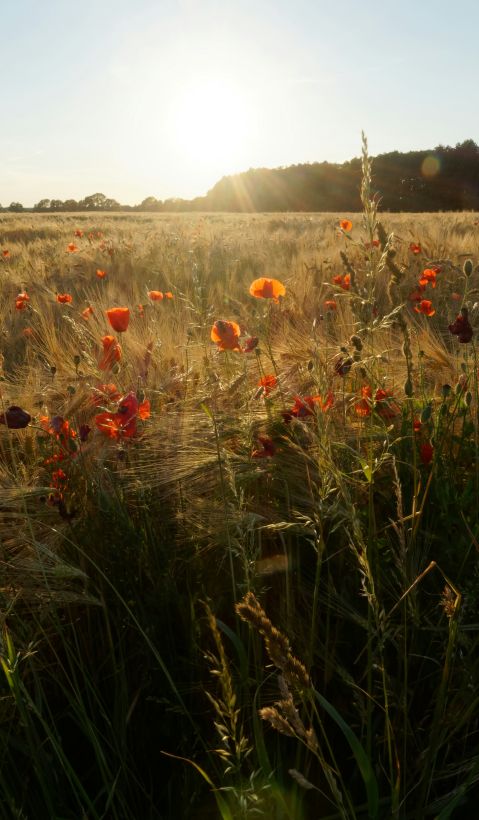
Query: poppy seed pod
{"points": [[408, 388], [356, 342], [467, 267]]}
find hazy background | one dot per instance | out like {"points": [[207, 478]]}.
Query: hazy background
{"points": [[164, 98]]}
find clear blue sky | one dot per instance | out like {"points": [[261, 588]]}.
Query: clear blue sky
{"points": [[163, 97]]}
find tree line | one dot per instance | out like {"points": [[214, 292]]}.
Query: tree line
{"points": [[441, 179]]}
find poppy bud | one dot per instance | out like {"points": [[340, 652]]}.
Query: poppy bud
{"points": [[446, 390], [426, 414], [356, 342], [76, 360], [53, 369], [468, 398], [408, 388], [467, 267]]}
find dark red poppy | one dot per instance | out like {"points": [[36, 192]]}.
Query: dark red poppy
{"points": [[268, 448], [415, 248], [250, 343], [343, 366], [15, 418], [461, 327], [426, 452]]}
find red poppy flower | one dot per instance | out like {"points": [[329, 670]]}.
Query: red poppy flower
{"points": [[155, 295], [15, 418], [426, 452], [346, 225], [268, 383], [461, 327], [425, 307], [330, 304], [64, 298], [168, 294], [226, 335], [307, 405], [122, 424], [268, 448], [374, 244], [428, 276], [385, 406], [119, 318], [343, 280], [78, 233], [415, 248], [21, 300], [87, 312], [100, 273], [364, 406], [104, 393], [250, 343], [28, 332], [111, 353], [6, 253], [267, 289], [416, 425], [72, 248]]}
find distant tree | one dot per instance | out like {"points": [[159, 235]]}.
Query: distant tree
{"points": [[70, 205], [16, 207], [151, 203], [42, 205], [56, 205], [94, 202]]}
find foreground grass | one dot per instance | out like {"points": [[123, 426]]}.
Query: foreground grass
{"points": [[254, 606]]}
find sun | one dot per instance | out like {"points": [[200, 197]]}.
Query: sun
{"points": [[210, 123]]}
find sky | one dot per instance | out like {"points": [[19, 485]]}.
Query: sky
{"points": [[137, 98]]}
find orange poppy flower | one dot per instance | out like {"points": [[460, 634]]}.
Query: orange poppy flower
{"points": [[428, 277], [119, 318], [21, 300], [425, 307], [168, 294], [111, 353], [363, 406], [415, 248], [346, 225], [267, 289], [100, 273], [87, 312], [330, 304], [343, 280], [306, 406], [28, 332], [64, 298], [72, 248], [374, 244], [78, 233], [268, 383], [6, 253], [226, 335], [155, 295], [105, 393]]}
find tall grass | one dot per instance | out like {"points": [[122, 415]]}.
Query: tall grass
{"points": [[192, 627]]}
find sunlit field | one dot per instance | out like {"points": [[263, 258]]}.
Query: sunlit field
{"points": [[239, 516]]}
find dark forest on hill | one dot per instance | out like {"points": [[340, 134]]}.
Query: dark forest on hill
{"points": [[441, 179]]}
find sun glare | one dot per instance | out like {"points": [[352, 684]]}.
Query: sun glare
{"points": [[210, 122]]}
